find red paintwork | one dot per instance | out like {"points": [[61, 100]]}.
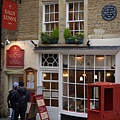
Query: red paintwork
{"points": [[109, 109]]}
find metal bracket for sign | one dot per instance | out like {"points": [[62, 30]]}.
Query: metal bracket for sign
{"points": [[19, 1]]}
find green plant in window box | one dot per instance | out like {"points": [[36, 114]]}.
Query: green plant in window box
{"points": [[45, 38], [76, 39], [50, 38], [54, 36]]}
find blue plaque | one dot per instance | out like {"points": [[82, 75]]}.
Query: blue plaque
{"points": [[109, 12]]}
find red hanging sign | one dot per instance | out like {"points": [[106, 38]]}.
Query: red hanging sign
{"points": [[15, 57], [9, 15]]}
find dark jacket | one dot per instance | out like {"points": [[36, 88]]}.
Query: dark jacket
{"points": [[18, 96]]}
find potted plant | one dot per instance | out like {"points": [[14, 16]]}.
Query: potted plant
{"points": [[45, 38], [76, 39], [54, 36], [50, 38]]}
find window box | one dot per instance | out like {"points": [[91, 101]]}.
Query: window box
{"points": [[50, 39], [53, 40], [74, 41], [70, 39]]}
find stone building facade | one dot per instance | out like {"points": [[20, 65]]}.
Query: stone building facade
{"points": [[104, 39]]}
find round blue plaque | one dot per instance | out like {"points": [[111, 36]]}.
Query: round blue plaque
{"points": [[109, 12]]}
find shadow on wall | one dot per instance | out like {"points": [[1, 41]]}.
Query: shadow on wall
{"points": [[66, 117]]}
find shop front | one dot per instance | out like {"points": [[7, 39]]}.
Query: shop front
{"points": [[65, 72], [62, 73]]}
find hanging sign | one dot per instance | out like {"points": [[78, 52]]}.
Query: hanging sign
{"points": [[9, 15], [15, 57]]}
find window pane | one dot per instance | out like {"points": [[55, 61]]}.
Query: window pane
{"points": [[80, 91], [110, 76], [56, 17], [99, 61], [65, 89], [47, 102], [54, 103], [71, 104], [72, 61], [81, 5], [76, 6], [54, 76], [47, 9], [81, 15], [80, 105], [52, 17], [89, 76], [65, 61], [89, 61], [65, 75], [52, 8], [71, 90], [46, 76], [79, 76], [72, 76], [65, 104], [54, 86], [56, 8], [46, 93], [76, 16], [46, 17], [46, 85]]}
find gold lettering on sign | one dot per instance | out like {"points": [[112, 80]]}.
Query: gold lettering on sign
{"points": [[8, 12], [6, 17], [9, 15]]}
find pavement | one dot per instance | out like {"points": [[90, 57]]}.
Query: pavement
{"points": [[5, 118]]}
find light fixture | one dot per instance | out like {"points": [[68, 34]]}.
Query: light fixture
{"points": [[33, 43], [81, 78], [65, 74], [95, 76], [7, 42], [108, 74], [44, 75], [88, 43]]}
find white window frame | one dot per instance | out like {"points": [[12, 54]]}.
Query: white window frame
{"points": [[43, 14], [67, 16]]}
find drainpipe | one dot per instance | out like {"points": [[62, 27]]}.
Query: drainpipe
{"points": [[1, 3]]}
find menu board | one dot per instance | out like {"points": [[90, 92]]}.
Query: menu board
{"points": [[41, 107], [30, 81]]}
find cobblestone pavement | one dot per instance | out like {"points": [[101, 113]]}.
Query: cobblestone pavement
{"points": [[5, 118]]}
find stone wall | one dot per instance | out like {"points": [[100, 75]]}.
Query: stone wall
{"points": [[97, 26]]}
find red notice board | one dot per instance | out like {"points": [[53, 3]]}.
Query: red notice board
{"points": [[41, 107], [38, 103]]}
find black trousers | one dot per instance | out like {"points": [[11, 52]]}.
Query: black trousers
{"points": [[21, 113]]}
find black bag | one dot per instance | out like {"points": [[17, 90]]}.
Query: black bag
{"points": [[21, 103], [9, 102]]}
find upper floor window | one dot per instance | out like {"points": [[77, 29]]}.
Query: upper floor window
{"points": [[51, 17], [75, 16]]}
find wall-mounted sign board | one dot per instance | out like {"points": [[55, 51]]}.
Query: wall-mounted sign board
{"points": [[109, 12], [30, 78]]}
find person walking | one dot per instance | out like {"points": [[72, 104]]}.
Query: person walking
{"points": [[20, 97], [9, 101]]}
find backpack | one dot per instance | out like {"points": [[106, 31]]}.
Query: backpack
{"points": [[21, 103], [9, 102]]}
